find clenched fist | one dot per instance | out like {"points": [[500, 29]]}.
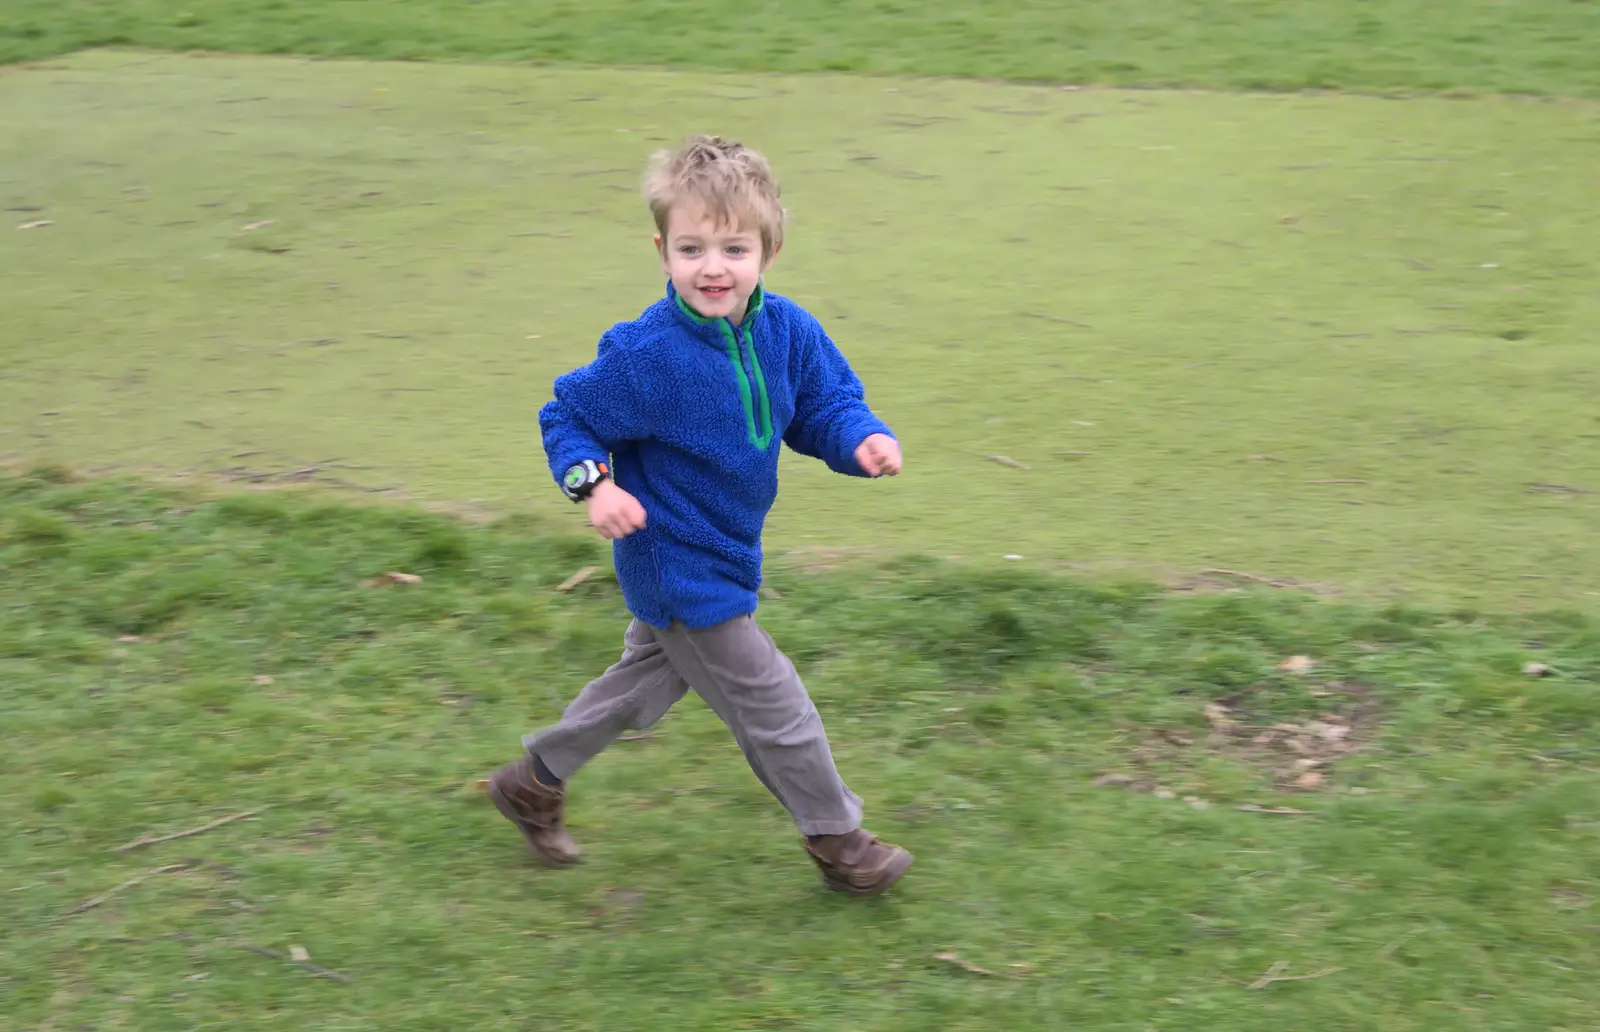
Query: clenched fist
{"points": [[879, 456], [614, 512]]}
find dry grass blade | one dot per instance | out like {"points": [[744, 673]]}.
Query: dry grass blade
{"points": [[1298, 665], [140, 842], [966, 965], [577, 579], [1287, 811], [392, 577], [1005, 460]]}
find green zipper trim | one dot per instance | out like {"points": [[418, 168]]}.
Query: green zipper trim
{"points": [[757, 406], [765, 437], [762, 436]]}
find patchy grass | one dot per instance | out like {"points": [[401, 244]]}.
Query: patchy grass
{"points": [[168, 660], [1326, 339], [1532, 46]]}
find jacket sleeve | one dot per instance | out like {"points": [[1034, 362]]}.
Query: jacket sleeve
{"points": [[831, 417], [595, 408]]}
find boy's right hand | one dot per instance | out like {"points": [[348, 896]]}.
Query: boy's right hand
{"points": [[614, 512]]}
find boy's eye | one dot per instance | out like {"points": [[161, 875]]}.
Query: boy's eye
{"points": [[687, 249], [736, 249]]}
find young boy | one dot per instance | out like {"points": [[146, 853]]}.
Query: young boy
{"points": [[671, 437]]}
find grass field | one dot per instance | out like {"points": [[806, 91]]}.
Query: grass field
{"points": [[1147, 299], [166, 661], [1530, 46], [1337, 341]]}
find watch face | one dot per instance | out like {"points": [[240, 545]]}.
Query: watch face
{"points": [[576, 475]]}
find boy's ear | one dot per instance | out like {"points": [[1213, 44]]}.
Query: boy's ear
{"points": [[772, 257], [661, 249]]}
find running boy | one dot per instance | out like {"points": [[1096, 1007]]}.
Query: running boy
{"points": [[671, 437]]}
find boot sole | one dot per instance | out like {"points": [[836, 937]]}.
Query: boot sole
{"points": [[896, 870], [507, 811]]}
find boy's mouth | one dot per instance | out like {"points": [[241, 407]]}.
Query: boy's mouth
{"points": [[714, 291]]}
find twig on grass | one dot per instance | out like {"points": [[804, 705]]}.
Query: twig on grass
{"points": [[1056, 319], [639, 736], [140, 842], [1562, 489], [1569, 752], [314, 969], [1286, 811], [1217, 571], [1276, 974], [90, 904]]}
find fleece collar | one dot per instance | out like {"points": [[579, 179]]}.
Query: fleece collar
{"points": [[707, 328]]}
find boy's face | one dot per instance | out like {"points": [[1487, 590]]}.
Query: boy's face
{"points": [[714, 268]]}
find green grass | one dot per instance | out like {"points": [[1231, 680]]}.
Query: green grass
{"points": [[1137, 295], [1335, 340], [1533, 46], [166, 660]]}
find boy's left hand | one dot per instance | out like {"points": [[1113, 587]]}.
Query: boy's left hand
{"points": [[879, 456]]}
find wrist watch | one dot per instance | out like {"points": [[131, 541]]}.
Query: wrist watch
{"points": [[581, 478]]}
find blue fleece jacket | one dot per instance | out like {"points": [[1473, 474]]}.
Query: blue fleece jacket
{"points": [[691, 412]]}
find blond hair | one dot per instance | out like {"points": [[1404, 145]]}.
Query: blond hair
{"points": [[734, 182]]}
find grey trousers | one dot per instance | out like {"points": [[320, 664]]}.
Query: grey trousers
{"points": [[739, 672]]}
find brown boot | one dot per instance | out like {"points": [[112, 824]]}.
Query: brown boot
{"points": [[858, 863], [536, 810]]}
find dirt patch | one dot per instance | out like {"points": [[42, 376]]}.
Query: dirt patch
{"points": [[1292, 756]]}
